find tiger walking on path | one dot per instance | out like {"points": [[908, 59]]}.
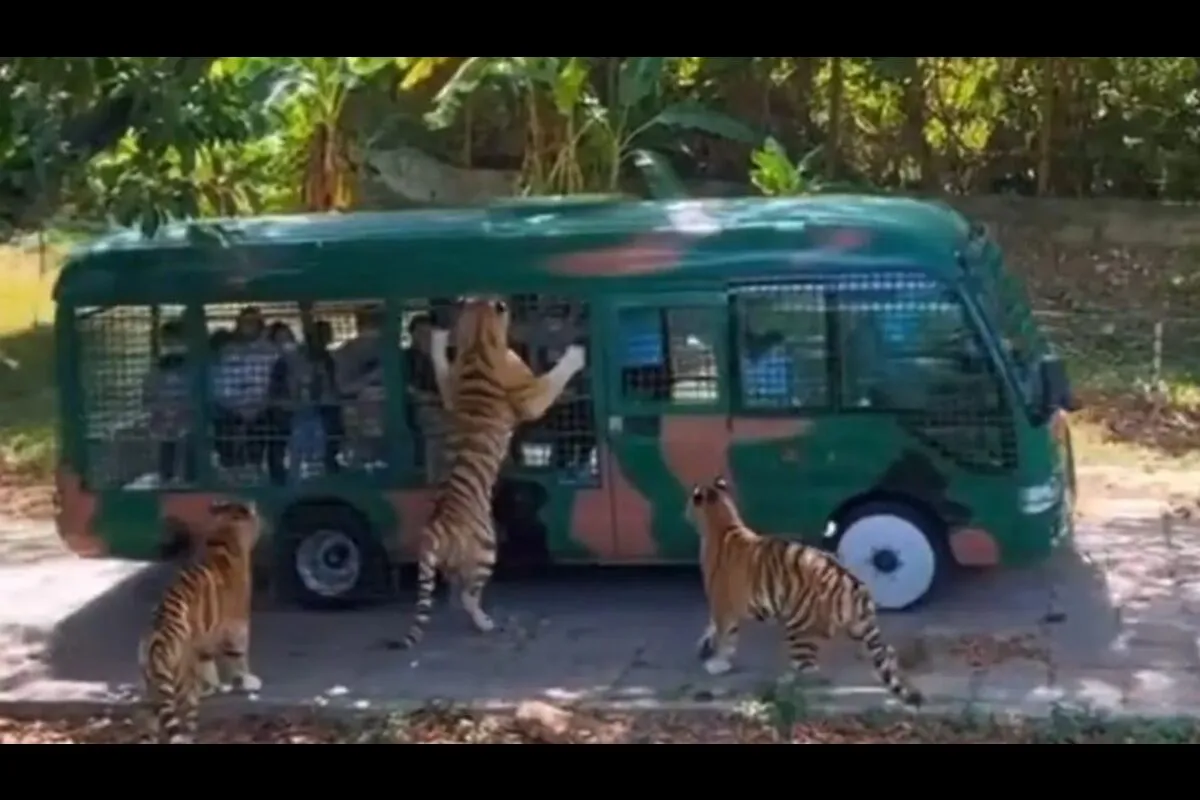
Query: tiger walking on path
{"points": [[806, 589], [203, 618], [487, 392]]}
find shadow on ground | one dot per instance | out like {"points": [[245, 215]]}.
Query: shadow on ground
{"points": [[587, 634]]}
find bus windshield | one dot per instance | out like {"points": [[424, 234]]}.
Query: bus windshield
{"points": [[1006, 304]]}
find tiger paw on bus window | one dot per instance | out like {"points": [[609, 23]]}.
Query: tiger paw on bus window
{"points": [[574, 359], [805, 589], [201, 627]]}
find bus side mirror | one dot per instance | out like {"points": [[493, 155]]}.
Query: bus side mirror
{"points": [[1056, 387]]}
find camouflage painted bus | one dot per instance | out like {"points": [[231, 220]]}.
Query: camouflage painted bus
{"points": [[864, 370]]}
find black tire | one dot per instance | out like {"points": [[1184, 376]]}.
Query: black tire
{"points": [[340, 526], [932, 529]]}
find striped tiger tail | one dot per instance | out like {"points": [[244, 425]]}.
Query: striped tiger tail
{"points": [[864, 628]]}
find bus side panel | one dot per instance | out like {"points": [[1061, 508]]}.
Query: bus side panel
{"points": [[129, 522], [792, 485]]}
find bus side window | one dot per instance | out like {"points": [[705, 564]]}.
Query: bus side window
{"points": [[296, 395], [908, 346], [564, 440], [782, 348], [139, 413], [668, 355], [425, 418], [909, 349]]}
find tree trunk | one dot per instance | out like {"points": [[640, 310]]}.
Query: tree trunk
{"points": [[915, 143], [1048, 127], [833, 135], [802, 83]]}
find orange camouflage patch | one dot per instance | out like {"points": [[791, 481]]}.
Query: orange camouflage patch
{"points": [[76, 515], [642, 255]]}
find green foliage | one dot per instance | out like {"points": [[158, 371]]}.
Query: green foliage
{"points": [[773, 173], [141, 140], [598, 124], [129, 132]]}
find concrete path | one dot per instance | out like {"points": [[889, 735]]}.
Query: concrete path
{"points": [[1112, 626]]}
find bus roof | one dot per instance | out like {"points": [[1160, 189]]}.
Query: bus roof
{"points": [[532, 241]]}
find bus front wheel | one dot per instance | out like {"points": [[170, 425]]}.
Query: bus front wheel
{"points": [[328, 558], [895, 550]]}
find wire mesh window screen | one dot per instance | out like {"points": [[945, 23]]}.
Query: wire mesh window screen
{"points": [[782, 347], [1005, 301], [426, 422], [542, 327], [296, 393], [669, 356], [354, 426], [139, 407], [908, 347], [562, 442]]}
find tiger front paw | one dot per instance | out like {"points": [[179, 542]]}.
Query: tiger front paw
{"points": [[208, 679], [483, 623], [705, 648], [575, 358], [439, 340], [718, 665], [247, 683]]}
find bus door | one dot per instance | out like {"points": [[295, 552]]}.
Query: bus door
{"points": [[667, 425]]}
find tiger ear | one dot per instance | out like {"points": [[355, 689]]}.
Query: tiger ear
{"points": [[217, 507], [231, 508]]}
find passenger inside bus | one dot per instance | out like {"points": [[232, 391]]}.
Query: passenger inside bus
{"points": [[166, 395], [570, 419], [360, 381], [240, 385], [643, 353], [320, 391], [282, 397], [425, 417]]}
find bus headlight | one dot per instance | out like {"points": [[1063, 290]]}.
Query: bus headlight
{"points": [[1041, 497]]}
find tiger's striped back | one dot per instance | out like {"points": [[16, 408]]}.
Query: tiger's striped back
{"points": [[806, 589], [488, 392], [460, 530], [189, 626], [459, 536]]}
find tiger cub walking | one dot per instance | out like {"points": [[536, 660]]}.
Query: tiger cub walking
{"points": [[487, 392], [806, 589], [204, 617]]}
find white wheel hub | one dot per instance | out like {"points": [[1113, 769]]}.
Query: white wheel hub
{"points": [[892, 556]]}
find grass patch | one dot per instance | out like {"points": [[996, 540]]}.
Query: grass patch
{"points": [[27, 393], [28, 405], [1138, 376]]}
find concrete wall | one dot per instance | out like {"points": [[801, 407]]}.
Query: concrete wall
{"points": [[1087, 254]]}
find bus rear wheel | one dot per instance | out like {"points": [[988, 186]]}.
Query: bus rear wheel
{"points": [[328, 558], [896, 551]]}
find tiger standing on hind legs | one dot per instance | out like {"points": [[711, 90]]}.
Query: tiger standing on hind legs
{"points": [[203, 619], [487, 392], [804, 588]]}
